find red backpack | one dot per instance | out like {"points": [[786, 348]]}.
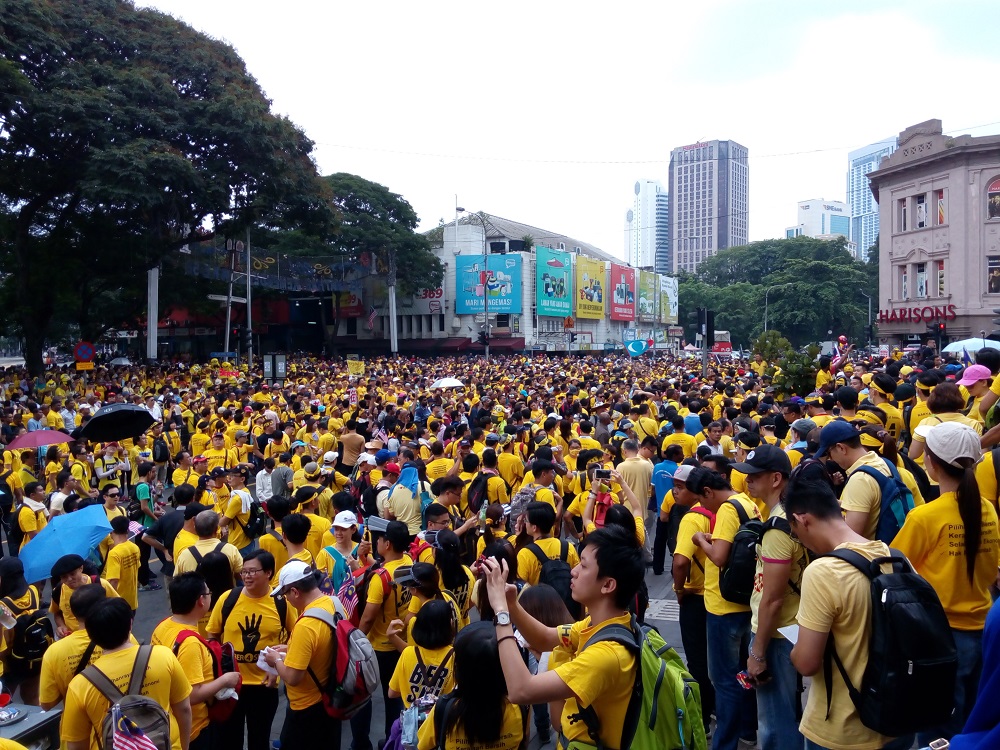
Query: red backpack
{"points": [[223, 661]]}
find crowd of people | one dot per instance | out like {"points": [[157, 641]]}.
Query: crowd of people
{"points": [[482, 536]]}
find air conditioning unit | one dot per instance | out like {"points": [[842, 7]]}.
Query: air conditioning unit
{"points": [[456, 324]]}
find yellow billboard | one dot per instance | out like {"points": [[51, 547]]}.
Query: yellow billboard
{"points": [[591, 285]]}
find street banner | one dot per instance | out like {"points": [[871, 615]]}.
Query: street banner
{"points": [[502, 284], [591, 286], [622, 292], [553, 282]]}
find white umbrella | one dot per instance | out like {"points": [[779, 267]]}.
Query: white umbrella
{"points": [[447, 383], [123, 361], [970, 345]]}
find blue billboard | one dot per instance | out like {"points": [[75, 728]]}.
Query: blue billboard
{"points": [[502, 284]]}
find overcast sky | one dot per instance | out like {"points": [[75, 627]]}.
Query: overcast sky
{"points": [[548, 112]]}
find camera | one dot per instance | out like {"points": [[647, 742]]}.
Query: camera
{"points": [[602, 474]]}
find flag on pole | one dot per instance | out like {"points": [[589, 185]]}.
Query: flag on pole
{"points": [[372, 314], [128, 735], [966, 359]]}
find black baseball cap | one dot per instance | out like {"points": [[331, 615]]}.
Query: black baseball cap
{"points": [[764, 457]]}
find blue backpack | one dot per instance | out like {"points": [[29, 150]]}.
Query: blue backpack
{"points": [[896, 502], [425, 501]]}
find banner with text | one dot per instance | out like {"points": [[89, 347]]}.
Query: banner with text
{"points": [[648, 293], [591, 285], [622, 292], [502, 285], [668, 299], [553, 282]]}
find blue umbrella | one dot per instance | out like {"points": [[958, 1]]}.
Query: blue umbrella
{"points": [[76, 533]]}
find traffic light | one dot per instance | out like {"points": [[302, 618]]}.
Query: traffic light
{"points": [[484, 338], [710, 328], [942, 329], [247, 339], [572, 337]]}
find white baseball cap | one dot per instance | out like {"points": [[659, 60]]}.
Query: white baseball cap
{"points": [[330, 456], [951, 441], [292, 572], [345, 520]]}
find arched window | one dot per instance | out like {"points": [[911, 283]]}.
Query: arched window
{"points": [[993, 199]]}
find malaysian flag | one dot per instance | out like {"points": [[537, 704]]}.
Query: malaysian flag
{"points": [[128, 735], [372, 314]]}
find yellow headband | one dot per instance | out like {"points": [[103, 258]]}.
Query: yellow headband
{"points": [[870, 441], [874, 387]]}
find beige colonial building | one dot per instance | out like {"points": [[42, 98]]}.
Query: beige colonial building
{"points": [[939, 236]]}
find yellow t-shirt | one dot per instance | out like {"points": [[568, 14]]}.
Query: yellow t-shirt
{"points": [[123, 564], [822, 378], [423, 671], [195, 659], [779, 548], [601, 676], [184, 476], [182, 541], [391, 605], [438, 468], [62, 605], [933, 540], [186, 562], [272, 542], [164, 682], [238, 519], [60, 662], [861, 492], [727, 523], [30, 520], [252, 625], [691, 523], [310, 647], [685, 441], [836, 599], [529, 568], [511, 733]]}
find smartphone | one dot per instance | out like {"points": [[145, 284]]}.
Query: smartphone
{"points": [[602, 474]]}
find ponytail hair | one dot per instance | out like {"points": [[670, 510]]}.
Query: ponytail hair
{"points": [[886, 445], [969, 506]]}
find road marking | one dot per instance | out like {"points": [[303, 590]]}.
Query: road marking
{"points": [[663, 609]]}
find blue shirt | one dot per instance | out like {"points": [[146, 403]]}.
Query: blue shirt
{"points": [[663, 480], [692, 424]]}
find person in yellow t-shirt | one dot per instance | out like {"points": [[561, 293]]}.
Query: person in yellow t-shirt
{"points": [[479, 682], [190, 601], [121, 569], [153, 671], [953, 542], [538, 522], [425, 669], [304, 663], [727, 622], [62, 659], [823, 375], [600, 673], [68, 570], [835, 606]]}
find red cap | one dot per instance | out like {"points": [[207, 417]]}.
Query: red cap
{"points": [[391, 468]]}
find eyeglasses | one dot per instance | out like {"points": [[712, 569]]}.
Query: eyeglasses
{"points": [[251, 571], [444, 522], [206, 593]]}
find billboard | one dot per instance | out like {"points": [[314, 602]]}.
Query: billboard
{"points": [[648, 293], [502, 284], [591, 285], [553, 282], [350, 304], [622, 292], [423, 302], [668, 299]]}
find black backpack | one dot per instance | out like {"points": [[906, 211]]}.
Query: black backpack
{"points": [[200, 558], [557, 574], [477, 494], [736, 578], [161, 452], [909, 682], [15, 535], [256, 524], [33, 634], [6, 493]]}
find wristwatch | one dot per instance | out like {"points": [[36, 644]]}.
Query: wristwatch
{"points": [[501, 618]]}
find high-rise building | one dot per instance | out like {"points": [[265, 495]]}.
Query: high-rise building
{"points": [[709, 198], [664, 260], [821, 217], [643, 230], [862, 204]]}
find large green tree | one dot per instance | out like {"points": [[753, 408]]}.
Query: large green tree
{"points": [[125, 134]]}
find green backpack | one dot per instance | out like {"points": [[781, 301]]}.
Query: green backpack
{"points": [[664, 711]]}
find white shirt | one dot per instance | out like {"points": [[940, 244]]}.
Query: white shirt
{"points": [[263, 486], [716, 449]]}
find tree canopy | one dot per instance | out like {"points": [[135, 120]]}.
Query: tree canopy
{"points": [[125, 134], [811, 287]]}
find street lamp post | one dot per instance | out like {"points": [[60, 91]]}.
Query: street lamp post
{"points": [[486, 282], [868, 330], [766, 292]]}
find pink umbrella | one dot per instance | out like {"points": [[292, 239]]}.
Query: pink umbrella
{"points": [[38, 438]]}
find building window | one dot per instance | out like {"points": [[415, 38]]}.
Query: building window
{"points": [[993, 274], [352, 326], [902, 215], [904, 291], [940, 278], [921, 212], [921, 280], [942, 211], [993, 200]]}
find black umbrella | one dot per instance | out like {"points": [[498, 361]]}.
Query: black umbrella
{"points": [[117, 422]]}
